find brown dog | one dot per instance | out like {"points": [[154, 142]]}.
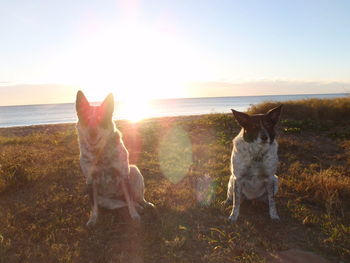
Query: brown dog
{"points": [[104, 160]]}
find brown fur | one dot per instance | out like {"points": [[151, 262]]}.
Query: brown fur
{"points": [[104, 160]]}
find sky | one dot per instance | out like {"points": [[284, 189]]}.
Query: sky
{"points": [[169, 49]]}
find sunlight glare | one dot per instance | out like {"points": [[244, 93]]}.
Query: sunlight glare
{"points": [[134, 109], [134, 58]]}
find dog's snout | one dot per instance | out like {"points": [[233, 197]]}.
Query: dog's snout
{"points": [[264, 137]]}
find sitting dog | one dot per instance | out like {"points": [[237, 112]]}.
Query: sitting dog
{"points": [[112, 182], [254, 161]]}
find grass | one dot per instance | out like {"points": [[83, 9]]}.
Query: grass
{"points": [[185, 162], [311, 109]]}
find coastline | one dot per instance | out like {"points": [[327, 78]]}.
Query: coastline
{"points": [[18, 116], [57, 127]]}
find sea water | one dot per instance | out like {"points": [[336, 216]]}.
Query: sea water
{"points": [[65, 113]]}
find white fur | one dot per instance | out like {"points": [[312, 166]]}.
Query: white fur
{"points": [[253, 168]]}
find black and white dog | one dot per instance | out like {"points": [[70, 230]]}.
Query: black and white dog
{"points": [[254, 161]]}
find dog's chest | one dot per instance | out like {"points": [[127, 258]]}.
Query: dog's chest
{"points": [[254, 180], [252, 166], [107, 177], [104, 165], [109, 183]]}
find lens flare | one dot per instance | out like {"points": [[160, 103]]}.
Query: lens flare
{"points": [[205, 190], [175, 154]]}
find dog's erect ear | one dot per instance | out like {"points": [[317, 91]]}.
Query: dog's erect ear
{"points": [[81, 104], [242, 118], [273, 115], [108, 106]]}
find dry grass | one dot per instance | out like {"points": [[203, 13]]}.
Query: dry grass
{"points": [[44, 208], [310, 109]]}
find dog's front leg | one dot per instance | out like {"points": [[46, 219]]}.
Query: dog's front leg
{"points": [[237, 194], [94, 213], [229, 196], [131, 206], [271, 191]]}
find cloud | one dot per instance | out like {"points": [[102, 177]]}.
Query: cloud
{"points": [[265, 87]]}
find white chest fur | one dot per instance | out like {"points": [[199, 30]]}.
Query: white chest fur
{"points": [[253, 164]]}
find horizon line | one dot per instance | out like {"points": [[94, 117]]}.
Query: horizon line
{"points": [[181, 98]]}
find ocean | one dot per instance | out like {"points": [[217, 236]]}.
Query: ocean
{"points": [[65, 113]]}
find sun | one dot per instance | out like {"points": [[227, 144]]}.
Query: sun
{"points": [[135, 62], [134, 109]]}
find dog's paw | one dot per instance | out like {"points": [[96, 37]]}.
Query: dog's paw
{"points": [[275, 218], [92, 222], [135, 216], [232, 219]]}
